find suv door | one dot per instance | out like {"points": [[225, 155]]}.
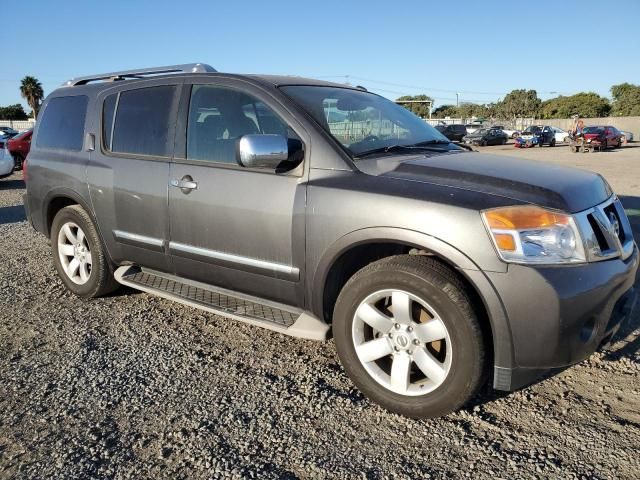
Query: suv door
{"points": [[234, 227], [128, 171]]}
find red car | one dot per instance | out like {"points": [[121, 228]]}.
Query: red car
{"points": [[607, 136], [19, 147]]}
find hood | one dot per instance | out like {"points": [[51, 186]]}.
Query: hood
{"points": [[552, 186]]}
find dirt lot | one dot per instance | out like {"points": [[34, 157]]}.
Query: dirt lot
{"points": [[133, 386]]}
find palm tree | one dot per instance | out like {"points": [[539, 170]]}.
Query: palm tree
{"points": [[31, 91]]}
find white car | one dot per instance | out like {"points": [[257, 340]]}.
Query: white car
{"points": [[561, 136], [473, 127], [6, 161], [511, 133]]}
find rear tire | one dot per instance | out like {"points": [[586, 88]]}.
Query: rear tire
{"points": [[79, 255], [18, 161], [553, 142], [400, 295]]}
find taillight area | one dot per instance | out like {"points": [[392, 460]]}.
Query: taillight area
{"points": [[24, 170]]}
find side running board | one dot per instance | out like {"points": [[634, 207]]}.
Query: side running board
{"points": [[256, 311]]}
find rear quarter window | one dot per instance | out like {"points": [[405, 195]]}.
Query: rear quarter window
{"points": [[62, 123]]}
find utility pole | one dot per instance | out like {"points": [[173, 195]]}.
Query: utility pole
{"points": [[457, 99]]}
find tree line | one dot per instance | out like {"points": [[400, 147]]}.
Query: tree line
{"points": [[518, 103], [625, 101]]}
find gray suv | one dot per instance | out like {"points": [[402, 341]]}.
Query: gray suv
{"points": [[315, 210]]}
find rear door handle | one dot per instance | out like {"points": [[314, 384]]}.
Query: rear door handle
{"points": [[186, 184]]}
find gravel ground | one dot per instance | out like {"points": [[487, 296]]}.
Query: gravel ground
{"points": [[133, 386]]}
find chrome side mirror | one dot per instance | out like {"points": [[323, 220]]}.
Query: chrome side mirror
{"points": [[262, 151]]}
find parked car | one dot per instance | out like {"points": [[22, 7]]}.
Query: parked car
{"points": [[536, 135], [428, 264], [8, 132], [6, 161], [511, 133], [625, 136], [486, 136], [560, 135], [453, 132], [19, 147], [473, 127], [606, 136]]}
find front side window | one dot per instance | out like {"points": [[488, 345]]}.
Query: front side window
{"points": [[62, 123], [219, 117], [142, 122], [363, 122]]}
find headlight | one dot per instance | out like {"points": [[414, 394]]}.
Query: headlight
{"points": [[530, 234]]}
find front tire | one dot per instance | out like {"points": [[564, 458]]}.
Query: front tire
{"points": [[408, 336], [78, 254]]}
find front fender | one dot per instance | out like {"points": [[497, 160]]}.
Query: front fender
{"points": [[501, 332]]}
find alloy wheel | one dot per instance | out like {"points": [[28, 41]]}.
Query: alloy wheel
{"points": [[402, 342], [74, 253]]}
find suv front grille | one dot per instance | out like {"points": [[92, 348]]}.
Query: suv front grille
{"points": [[606, 231]]}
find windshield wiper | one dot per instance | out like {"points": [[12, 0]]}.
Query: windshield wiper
{"points": [[395, 148], [431, 142]]}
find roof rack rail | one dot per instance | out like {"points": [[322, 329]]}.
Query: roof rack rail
{"points": [[141, 72]]}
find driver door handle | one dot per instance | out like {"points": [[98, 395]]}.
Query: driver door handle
{"points": [[186, 184]]}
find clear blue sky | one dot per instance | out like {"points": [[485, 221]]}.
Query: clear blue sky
{"points": [[481, 49]]}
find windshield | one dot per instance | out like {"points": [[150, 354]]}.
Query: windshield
{"points": [[482, 131], [593, 130], [363, 122]]}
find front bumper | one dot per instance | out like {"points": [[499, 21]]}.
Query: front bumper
{"points": [[560, 315]]}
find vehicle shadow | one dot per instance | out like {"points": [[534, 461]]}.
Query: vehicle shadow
{"points": [[12, 214], [14, 184]]}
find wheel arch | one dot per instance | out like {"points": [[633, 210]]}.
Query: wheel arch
{"points": [[60, 198], [344, 258]]}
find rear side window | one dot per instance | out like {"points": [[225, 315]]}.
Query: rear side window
{"points": [[62, 123], [142, 121]]}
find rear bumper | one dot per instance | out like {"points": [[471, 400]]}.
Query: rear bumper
{"points": [[559, 316]]}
